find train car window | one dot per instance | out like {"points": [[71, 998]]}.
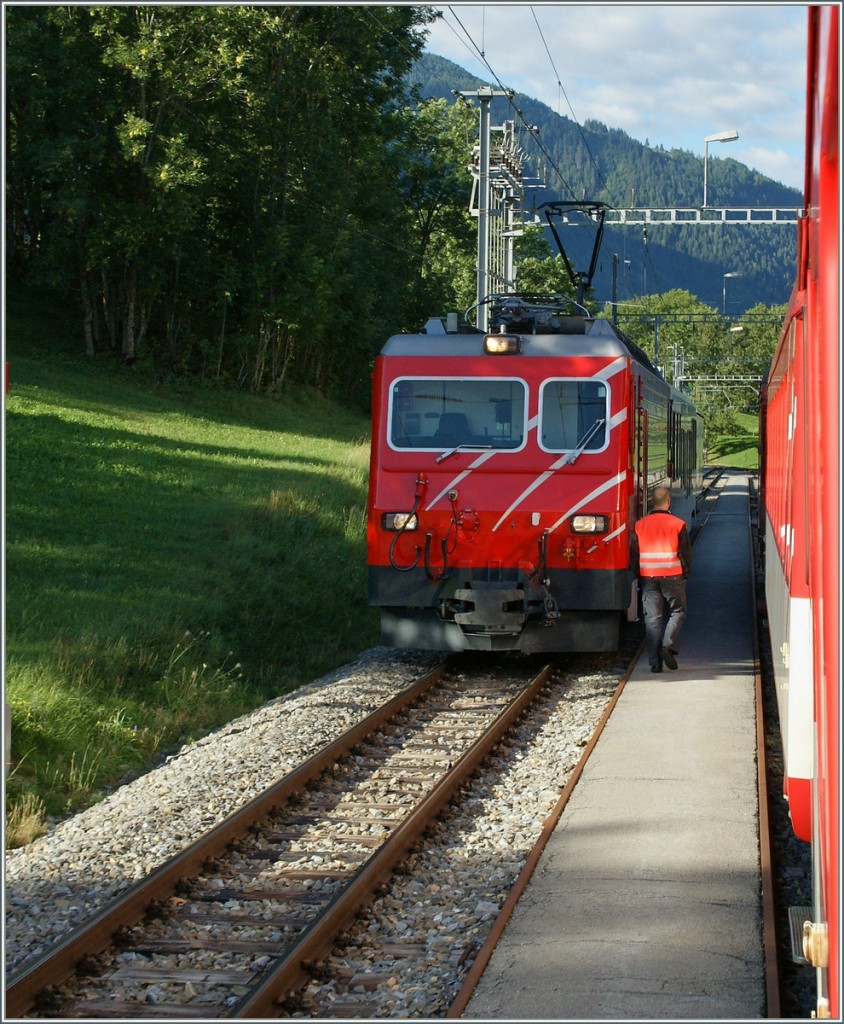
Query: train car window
{"points": [[570, 415], [657, 439], [434, 413]]}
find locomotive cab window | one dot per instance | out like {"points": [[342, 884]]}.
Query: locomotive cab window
{"points": [[447, 412], [573, 415]]}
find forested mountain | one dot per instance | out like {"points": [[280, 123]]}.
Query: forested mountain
{"points": [[601, 163]]}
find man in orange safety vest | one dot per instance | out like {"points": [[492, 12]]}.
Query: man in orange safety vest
{"points": [[661, 556]]}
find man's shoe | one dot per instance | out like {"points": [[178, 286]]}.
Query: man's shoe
{"points": [[668, 657], [655, 668]]}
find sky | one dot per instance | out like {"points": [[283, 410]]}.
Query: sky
{"points": [[666, 74]]}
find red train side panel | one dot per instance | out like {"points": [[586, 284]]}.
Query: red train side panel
{"points": [[801, 488], [823, 459]]}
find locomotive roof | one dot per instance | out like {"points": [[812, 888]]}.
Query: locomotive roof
{"points": [[586, 337]]}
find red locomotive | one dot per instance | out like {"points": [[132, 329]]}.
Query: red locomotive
{"points": [[507, 470], [801, 424]]}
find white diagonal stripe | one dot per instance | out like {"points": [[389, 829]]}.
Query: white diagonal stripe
{"points": [[615, 533], [478, 462], [460, 476], [592, 494]]}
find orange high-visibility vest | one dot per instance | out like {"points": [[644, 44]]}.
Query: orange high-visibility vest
{"points": [[659, 536]]}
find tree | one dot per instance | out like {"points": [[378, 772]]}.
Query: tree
{"points": [[435, 185], [216, 183], [715, 353]]}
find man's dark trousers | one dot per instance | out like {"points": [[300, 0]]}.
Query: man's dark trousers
{"points": [[657, 593]]}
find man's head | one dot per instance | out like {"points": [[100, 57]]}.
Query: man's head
{"points": [[661, 497]]}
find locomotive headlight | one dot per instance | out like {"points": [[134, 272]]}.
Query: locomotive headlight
{"points": [[399, 521], [502, 344], [590, 524]]}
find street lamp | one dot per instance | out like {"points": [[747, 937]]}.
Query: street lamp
{"points": [[732, 273], [728, 136]]}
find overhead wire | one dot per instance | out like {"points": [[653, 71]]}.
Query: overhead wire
{"points": [[552, 163], [561, 87], [647, 261], [480, 53], [510, 93], [380, 25]]}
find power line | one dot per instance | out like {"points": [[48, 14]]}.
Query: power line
{"points": [[560, 86], [402, 43], [552, 163], [551, 59]]}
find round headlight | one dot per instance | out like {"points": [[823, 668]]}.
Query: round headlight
{"points": [[399, 521]]}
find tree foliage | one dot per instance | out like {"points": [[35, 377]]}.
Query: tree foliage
{"points": [[720, 360], [219, 186]]}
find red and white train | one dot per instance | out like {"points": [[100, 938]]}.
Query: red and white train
{"points": [[507, 471], [800, 428]]}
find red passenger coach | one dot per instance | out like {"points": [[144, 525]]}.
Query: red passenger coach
{"points": [[507, 471], [801, 426]]}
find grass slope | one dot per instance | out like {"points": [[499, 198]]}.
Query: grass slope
{"points": [[736, 444], [174, 557]]}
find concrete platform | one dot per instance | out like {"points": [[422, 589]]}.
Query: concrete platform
{"points": [[647, 900]]}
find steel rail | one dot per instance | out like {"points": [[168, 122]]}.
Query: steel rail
{"points": [[293, 970], [96, 934]]}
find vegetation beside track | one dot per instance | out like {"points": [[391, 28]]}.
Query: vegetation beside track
{"points": [[734, 441], [175, 555]]}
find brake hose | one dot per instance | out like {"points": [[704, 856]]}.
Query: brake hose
{"points": [[541, 571], [420, 486], [434, 575], [395, 540]]}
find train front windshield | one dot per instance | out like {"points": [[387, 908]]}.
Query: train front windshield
{"points": [[446, 412], [436, 413]]}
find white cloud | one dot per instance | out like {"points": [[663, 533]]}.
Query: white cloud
{"points": [[668, 74]]}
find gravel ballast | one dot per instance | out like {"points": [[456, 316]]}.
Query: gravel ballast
{"points": [[441, 905]]}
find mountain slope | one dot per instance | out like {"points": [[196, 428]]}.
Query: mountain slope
{"points": [[596, 162]]}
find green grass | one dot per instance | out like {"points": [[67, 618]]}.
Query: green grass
{"points": [[174, 557], [736, 442]]}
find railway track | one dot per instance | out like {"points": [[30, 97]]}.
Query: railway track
{"points": [[234, 923], [353, 968], [304, 873]]}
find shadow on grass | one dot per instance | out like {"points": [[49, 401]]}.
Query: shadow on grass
{"points": [[110, 531], [101, 386], [725, 447]]}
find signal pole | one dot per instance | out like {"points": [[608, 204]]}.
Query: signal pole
{"points": [[485, 98]]}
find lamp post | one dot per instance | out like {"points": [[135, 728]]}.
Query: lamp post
{"points": [[732, 273], [728, 136]]}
